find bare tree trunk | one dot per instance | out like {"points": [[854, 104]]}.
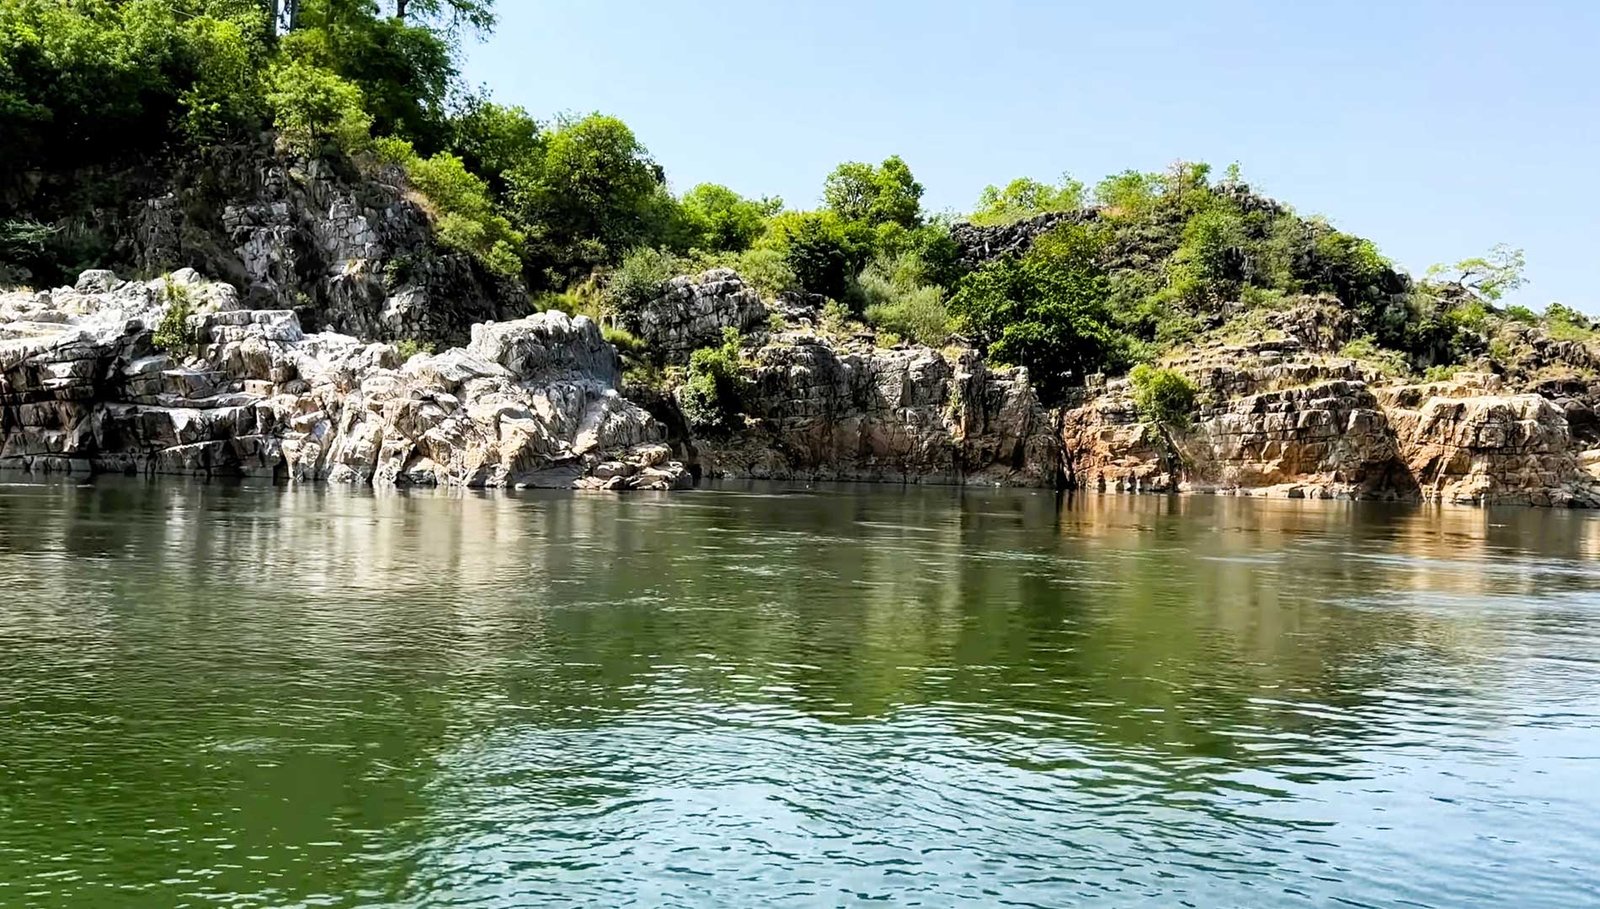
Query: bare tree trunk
{"points": [[400, 9]]}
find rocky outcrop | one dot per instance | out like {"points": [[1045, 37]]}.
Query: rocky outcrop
{"points": [[1275, 419], [692, 312], [536, 402], [817, 409], [347, 251], [1467, 441], [532, 402], [1308, 428], [977, 244]]}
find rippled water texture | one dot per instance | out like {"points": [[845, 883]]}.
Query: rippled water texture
{"points": [[238, 696]]}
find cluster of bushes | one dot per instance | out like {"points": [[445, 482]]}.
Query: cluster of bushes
{"points": [[107, 87], [1170, 255], [711, 395]]}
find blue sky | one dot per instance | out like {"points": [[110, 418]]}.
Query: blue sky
{"points": [[1435, 128]]}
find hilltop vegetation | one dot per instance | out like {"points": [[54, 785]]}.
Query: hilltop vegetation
{"points": [[98, 97]]}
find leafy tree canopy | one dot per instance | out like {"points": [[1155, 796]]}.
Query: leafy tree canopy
{"points": [[1024, 198], [886, 194]]}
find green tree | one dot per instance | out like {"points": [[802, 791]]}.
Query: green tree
{"points": [[1488, 276], [720, 220], [1024, 198], [886, 194], [404, 71], [1128, 193], [1046, 311], [493, 140], [824, 251], [312, 107], [594, 194], [477, 15], [1212, 264], [227, 57]]}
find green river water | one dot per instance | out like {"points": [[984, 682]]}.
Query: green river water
{"points": [[249, 696]]}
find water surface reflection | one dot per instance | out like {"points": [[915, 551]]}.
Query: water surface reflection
{"points": [[268, 696]]}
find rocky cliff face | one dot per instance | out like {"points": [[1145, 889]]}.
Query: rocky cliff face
{"points": [[536, 402], [820, 406], [692, 312], [1277, 419], [818, 411], [531, 402], [1468, 441], [346, 251]]}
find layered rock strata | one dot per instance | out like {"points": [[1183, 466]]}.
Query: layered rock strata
{"points": [[817, 409], [1275, 419]]}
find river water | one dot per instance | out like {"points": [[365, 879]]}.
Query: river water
{"points": [[216, 695]]}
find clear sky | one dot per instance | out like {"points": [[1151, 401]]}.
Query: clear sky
{"points": [[1435, 127]]}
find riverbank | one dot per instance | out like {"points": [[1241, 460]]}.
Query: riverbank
{"points": [[177, 376]]}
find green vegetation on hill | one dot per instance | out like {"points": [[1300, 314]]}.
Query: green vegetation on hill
{"points": [[99, 97]]}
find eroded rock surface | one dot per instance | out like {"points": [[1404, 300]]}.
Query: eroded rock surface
{"points": [[536, 402], [1277, 419], [1469, 441], [530, 402], [817, 411], [693, 311], [346, 251]]}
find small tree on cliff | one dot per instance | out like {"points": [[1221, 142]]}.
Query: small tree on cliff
{"points": [[1164, 396], [1047, 311]]}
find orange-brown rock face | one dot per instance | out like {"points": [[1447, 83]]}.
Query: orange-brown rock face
{"points": [[1278, 421], [1463, 442]]}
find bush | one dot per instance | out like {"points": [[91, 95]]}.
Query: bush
{"points": [[1023, 198], [1567, 324], [628, 345], [919, 314], [835, 317], [640, 279], [464, 211], [711, 396], [411, 347], [718, 219], [1441, 373], [763, 268], [1164, 396], [1364, 349], [173, 334], [568, 302], [1522, 314], [896, 303], [1046, 311], [822, 250], [1472, 315]]}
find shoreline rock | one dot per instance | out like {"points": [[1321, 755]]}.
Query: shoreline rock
{"points": [[532, 402], [539, 402]]}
